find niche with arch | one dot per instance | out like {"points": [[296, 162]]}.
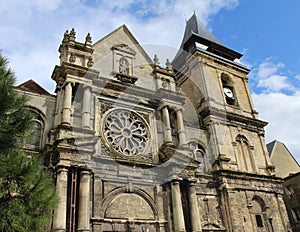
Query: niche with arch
{"points": [[228, 90]]}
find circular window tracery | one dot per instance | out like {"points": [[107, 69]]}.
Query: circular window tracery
{"points": [[126, 132]]}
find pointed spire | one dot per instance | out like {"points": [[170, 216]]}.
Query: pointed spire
{"points": [[197, 36], [195, 27]]}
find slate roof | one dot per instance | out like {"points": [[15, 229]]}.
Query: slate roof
{"points": [[196, 32], [270, 147], [195, 27]]}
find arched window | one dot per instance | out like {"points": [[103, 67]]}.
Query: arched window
{"points": [[245, 157], [258, 212], [228, 89], [37, 132], [198, 154]]}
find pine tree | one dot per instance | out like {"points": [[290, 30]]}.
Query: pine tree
{"points": [[27, 193]]}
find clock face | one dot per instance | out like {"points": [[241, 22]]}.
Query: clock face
{"points": [[228, 93]]}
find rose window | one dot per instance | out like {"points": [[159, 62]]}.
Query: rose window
{"points": [[126, 132]]}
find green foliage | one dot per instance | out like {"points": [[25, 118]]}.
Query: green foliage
{"points": [[15, 120], [27, 193]]}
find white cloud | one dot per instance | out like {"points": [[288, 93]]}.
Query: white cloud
{"points": [[282, 112], [37, 27], [268, 68], [297, 77], [275, 83], [277, 106]]}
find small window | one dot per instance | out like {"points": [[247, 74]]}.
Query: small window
{"points": [[259, 221]]}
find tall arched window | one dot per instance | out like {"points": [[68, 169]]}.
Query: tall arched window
{"points": [[199, 155], [245, 157], [37, 132]]}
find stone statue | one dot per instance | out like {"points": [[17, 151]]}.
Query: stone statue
{"points": [[123, 66]]}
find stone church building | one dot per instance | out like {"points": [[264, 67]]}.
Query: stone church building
{"points": [[139, 146]]}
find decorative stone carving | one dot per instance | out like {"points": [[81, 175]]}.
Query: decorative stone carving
{"points": [[123, 66], [169, 65], [126, 133], [72, 58], [72, 36], [90, 63], [155, 60], [66, 37], [88, 40]]}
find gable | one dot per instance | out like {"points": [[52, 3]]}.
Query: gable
{"points": [[119, 52]]}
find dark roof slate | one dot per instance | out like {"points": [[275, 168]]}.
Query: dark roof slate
{"points": [[270, 147], [196, 32], [195, 27]]}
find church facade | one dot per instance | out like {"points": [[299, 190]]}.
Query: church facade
{"points": [[139, 146]]}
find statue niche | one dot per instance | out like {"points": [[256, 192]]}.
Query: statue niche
{"points": [[123, 66]]}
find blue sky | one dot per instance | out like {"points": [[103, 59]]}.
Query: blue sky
{"points": [[265, 31]]}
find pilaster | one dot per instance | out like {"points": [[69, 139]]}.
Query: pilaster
{"points": [[84, 202], [60, 214], [194, 210], [179, 224]]}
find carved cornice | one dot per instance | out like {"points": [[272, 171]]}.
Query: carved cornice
{"points": [[60, 73]]}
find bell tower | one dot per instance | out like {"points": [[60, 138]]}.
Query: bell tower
{"points": [[237, 176], [223, 101]]}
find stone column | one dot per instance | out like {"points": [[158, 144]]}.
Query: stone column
{"points": [[179, 225], [84, 202], [180, 127], [166, 121], [194, 210], [86, 108], [67, 104], [60, 213]]}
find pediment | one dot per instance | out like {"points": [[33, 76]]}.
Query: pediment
{"points": [[124, 48], [120, 54]]}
